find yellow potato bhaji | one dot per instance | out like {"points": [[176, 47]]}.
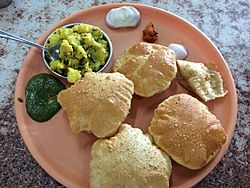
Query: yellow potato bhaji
{"points": [[83, 49]]}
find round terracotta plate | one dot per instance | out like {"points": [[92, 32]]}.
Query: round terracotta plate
{"points": [[66, 156]]}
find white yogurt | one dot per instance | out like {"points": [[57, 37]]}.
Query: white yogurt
{"points": [[181, 51], [125, 16]]}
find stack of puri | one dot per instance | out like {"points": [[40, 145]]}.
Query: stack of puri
{"points": [[182, 128]]}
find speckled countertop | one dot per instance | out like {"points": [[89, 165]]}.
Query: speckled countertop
{"points": [[226, 22]]}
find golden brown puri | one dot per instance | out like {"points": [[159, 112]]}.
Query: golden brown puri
{"points": [[98, 103], [183, 127], [151, 67], [129, 159], [203, 81]]}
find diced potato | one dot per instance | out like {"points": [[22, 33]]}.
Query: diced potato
{"points": [[66, 49], [74, 40], [54, 39], [65, 32], [56, 65], [82, 28], [73, 75], [74, 63], [80, 53]]}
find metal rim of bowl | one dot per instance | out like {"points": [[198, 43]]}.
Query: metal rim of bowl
{"points": [[106, 37]]}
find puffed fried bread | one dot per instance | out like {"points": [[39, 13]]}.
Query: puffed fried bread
{"points": [[129, 159], [183, 127], [202, 80], [151, 67], [98, 103]]}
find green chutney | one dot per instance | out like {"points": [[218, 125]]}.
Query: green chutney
{"points": [[41, 96]]}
